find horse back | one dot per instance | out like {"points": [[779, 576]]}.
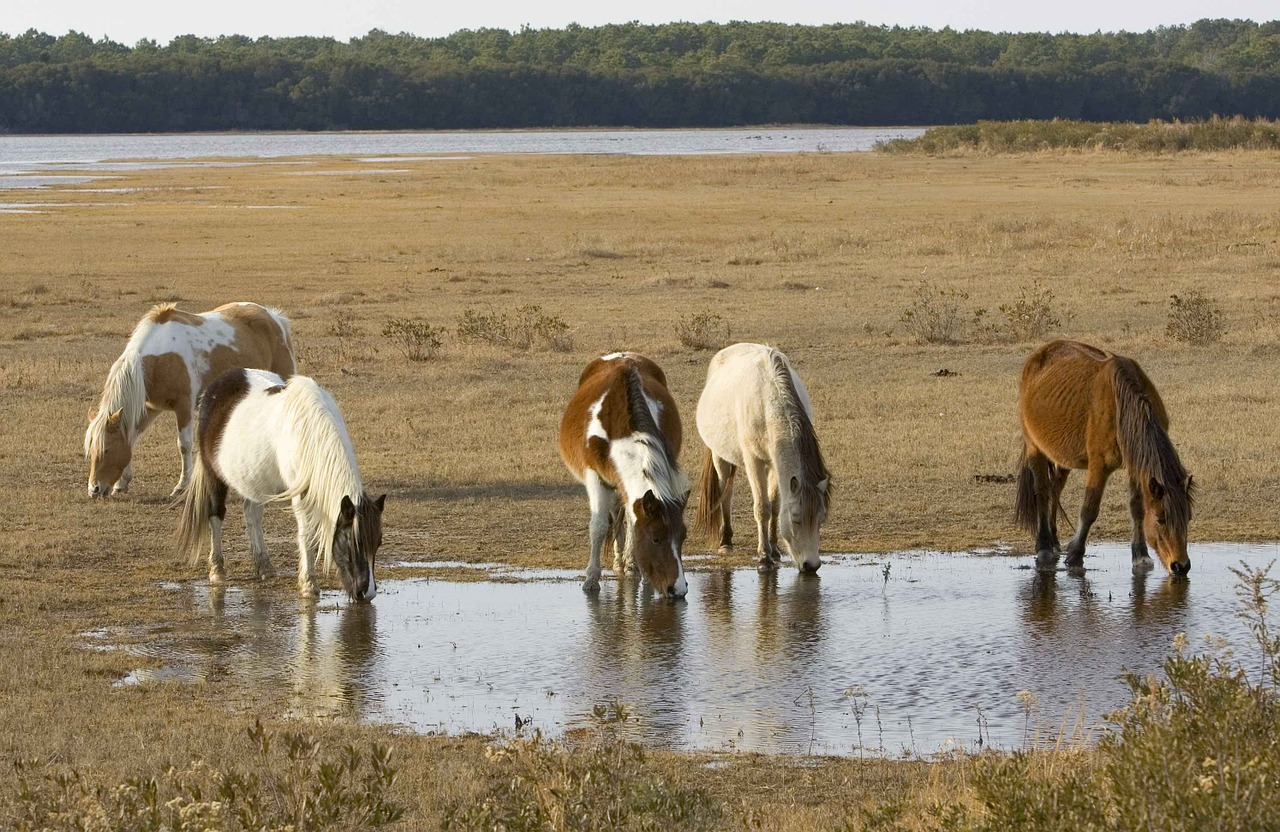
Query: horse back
{"points": [[600, 412]]}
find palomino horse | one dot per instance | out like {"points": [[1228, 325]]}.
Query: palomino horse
{"points": [[275, 440], [754, 414], [620, 436], [170, 357], [1085, 408]]}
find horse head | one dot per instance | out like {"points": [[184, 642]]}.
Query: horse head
{"points": [[656, 542], [109, 452], [801, 517], [1167, 512], [356, 538]]}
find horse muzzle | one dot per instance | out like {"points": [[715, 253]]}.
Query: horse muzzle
{"points": [[1180, 570]]}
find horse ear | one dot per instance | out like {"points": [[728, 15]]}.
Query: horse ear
{"points": [[1156, 489], [795, 485], [114, 418], [346, 511], [380, 502], [651, 504], [1190, 483], [93, 412], [823, 483]]}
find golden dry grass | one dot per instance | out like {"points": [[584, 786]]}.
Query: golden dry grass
{"points": [[818, 254]]}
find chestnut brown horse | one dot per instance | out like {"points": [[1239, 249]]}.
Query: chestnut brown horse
{"points": [[1083, 408], [620, 436]]}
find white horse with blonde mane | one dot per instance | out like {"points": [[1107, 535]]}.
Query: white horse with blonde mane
{"points": [[272, 439], [754, 414], [169, 359]]}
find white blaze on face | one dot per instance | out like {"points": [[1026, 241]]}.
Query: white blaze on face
{"points": [[681, 587], [372, 589]]}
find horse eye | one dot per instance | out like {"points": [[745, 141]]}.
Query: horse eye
{"points": [[656, 540], [1159, 521]]}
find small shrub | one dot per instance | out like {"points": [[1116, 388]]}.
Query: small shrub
{"points": [[414, 337], [476, 327], [935, 316], [1195, 319], [531, 326], [292, 786], [703, 331], [600, 782]]}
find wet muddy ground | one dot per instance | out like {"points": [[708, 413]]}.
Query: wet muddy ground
{"points": [[905, 653]]}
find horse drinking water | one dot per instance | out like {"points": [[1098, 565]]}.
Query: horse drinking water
{"points": [[1093, 410], [169, 359], [620, 436], [272, 439], [754, 413]]}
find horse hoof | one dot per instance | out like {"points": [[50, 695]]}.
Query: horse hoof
{"points": [[766, 564], [725, 549], [1046, 561], [1143, 565], [217, 578], [266, 573], [591, 585], [309, 590]]}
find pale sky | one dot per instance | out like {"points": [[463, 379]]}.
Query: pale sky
{"points": [[127, 21]]}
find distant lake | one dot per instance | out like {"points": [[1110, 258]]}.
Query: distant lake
{"points": [[52, 156]]}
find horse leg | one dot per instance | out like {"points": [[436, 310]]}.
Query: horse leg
{"points": [[126, 476], [725, 471], [774, 505], [1044, 479], [622, 560], [1142, 563], [1095, 481], [257, 540], [184, 448], [1059, 483], [758, 477], [217, 513], [601, 499], [307, 586]]}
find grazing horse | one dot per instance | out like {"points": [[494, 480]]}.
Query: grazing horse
{"points": [[275, 440], [1088, 409], [620, 437], [169, 359], [754, 413]]}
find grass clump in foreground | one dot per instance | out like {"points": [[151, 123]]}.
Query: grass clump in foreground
{"points": [[1153, 137], [601, 782], [1195, 319], [294, 787], [938, 316]]}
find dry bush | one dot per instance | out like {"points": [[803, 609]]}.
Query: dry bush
{"points": [[703, 331], [1029, 318], [935, 316], [1195, 319], [416, 339], [530, 326]]}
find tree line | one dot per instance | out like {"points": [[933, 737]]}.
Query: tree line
{"points": [[671, 75]]}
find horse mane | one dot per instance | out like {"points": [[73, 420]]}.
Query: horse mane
{"points": [[658, 465], [325, 467], [813, 467], [125, 389], [1144, 442]]}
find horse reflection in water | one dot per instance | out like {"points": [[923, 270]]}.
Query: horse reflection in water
{"points": [[765, 632], [1081, 638], [324, 659]]}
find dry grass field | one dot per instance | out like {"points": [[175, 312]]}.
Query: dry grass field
{"points": [[818, 254]]}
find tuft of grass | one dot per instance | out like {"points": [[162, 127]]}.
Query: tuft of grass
{"points": [[529, 326], [1195, 319], [600, 782], [703, 331], [416, 339], [292, 784]]}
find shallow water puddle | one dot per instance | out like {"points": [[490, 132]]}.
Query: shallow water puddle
{"points": [[932, 655]]}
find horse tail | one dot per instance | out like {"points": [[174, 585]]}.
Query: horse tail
{"points": [[197, 511], [712, 495], [1025, 509]]}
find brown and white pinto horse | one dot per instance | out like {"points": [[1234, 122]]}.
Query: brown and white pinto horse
{"points": [[1085, 408], [169, 359], [620, 436]]}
